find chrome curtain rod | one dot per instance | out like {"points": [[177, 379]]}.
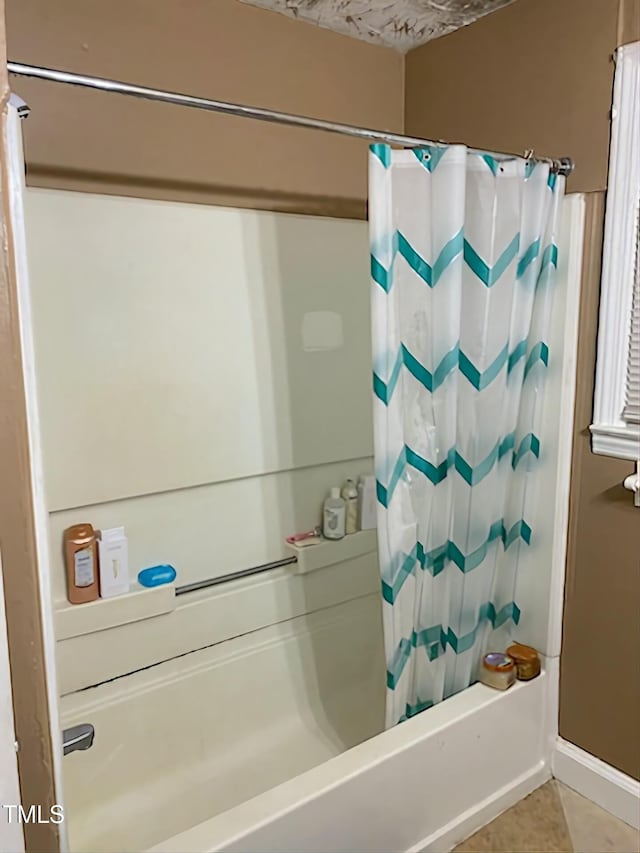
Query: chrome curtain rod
{"points": [[563, 166]]}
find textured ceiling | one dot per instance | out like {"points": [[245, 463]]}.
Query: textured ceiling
{"points": [[403, 24]]}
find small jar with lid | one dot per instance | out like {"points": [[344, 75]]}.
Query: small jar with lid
{"points": [[497, 670], [527, 661]]}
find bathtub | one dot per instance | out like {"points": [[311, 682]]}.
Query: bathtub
{"points": [[193, 737], [425, 785], [264, 743]]}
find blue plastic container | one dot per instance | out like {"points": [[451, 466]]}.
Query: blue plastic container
{"points": [[157, 576]]}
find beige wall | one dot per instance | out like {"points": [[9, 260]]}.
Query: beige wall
{"points": [[215, 48], [599, 692], [536, 74], [550, 89]]}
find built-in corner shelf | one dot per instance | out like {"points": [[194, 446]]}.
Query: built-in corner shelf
{"points": [[329, 552], [74, 620]]}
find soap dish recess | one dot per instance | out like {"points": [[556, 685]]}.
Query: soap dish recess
{"points": [[329, 552]]}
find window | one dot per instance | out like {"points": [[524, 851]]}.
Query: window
{"points": [[616, 417]]}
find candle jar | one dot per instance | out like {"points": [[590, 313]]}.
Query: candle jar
{"points": [[497, 670], [527, 661]]}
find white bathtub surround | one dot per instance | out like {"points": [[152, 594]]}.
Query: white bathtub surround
{"points": [[247, 387], [489, 749], [200, 619], [464, 250], [289, 706], [601, 783]]}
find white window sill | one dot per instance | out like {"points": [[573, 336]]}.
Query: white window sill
{"points": [[621, 441]]}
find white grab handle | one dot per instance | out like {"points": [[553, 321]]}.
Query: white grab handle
{"points": [[632, 482]]}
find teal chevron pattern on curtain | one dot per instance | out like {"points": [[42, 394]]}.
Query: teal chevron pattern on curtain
{"points": [[463, 257]]}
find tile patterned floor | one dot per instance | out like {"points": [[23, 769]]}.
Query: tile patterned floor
{"points": [[554, 819]]}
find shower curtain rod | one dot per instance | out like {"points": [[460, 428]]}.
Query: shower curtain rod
{"points": [[563, 166]]}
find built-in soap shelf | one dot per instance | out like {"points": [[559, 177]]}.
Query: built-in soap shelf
{"points": [[328, 552], [74, 620]]}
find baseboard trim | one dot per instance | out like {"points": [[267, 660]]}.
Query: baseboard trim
{"points": [[601, 783], [484, 812]]}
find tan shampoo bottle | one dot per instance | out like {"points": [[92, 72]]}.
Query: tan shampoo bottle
{"points": [[81, 560]]}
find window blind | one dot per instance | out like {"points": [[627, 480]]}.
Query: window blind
{"points": [[631, 412]]}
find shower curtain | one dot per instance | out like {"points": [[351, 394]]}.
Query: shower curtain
{"points": [[463, 256]]}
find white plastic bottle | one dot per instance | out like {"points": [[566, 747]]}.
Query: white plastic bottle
{"points": [[334, 515], [350, 496], [367, 502], [114, 562]]}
